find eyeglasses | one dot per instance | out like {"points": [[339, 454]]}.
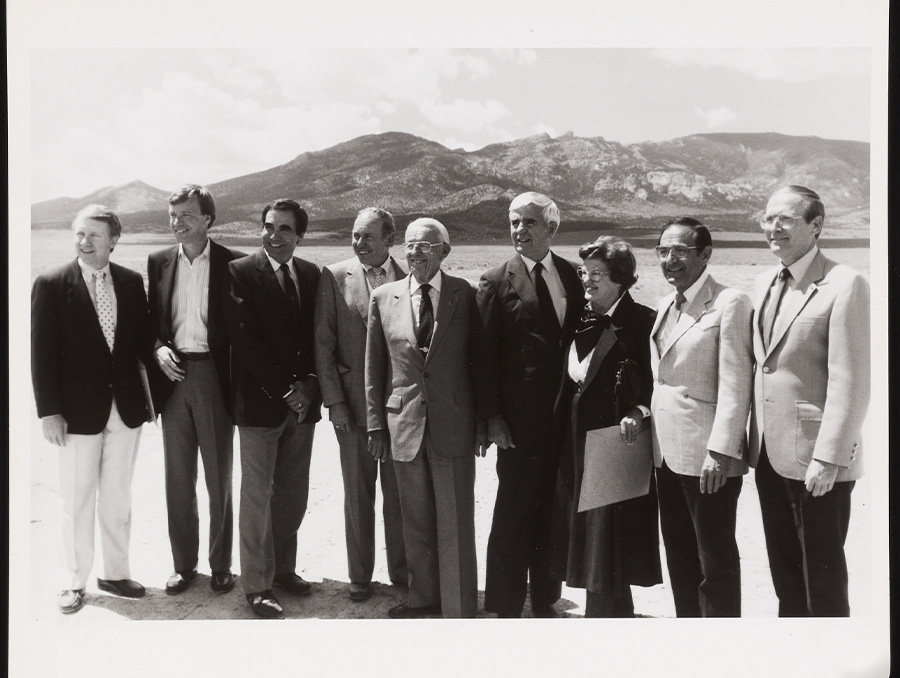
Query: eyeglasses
{"points": [[594, 275], [422, 246], [680, 251], [783, 219]]}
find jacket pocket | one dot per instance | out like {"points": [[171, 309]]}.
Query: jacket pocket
{"points": [[809, 421], [394, 403]]}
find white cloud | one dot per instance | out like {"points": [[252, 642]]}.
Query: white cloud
{"points": [[545, 129], [466, 115], [520, 57], [787, 65], [716, 117]]}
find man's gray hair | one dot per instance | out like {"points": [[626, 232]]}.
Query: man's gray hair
{"points": [[438, 226], [549, 210], [100, 213]]}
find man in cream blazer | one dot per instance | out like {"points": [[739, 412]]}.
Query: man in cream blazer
{"points": [[702, 360], [811, 393]]}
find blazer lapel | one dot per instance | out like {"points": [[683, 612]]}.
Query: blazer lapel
{"points": [[521, 282], [121, 302], [446, 309], [574, 291], [80, 297], [764, 285], [789, 311], [217, 265], [167, 285], [358, 290], [268, 279], [403, 313], [690, 314]]}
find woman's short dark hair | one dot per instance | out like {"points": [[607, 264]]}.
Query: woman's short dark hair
{"points": [[618, 257], [188, 191], [301, 218]]}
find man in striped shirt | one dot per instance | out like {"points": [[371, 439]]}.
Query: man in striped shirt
{"points": [[192, 352]]}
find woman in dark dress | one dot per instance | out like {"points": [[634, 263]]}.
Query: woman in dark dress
{"points": [[615, 546]]}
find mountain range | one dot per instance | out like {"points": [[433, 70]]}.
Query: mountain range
{"points": [[721, 178]]}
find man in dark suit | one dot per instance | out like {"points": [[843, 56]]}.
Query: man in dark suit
{"points": [[192, 391], [527, 305], [342, 312], [269, 310], [88, 333], [810, 395], [421, 411]]}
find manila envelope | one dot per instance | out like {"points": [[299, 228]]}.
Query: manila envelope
{"points": [[613, 470]]}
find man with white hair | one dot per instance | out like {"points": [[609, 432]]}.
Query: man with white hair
{"points": [[528, 306], [421, 413]]}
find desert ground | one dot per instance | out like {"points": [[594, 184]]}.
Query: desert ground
{"points": [[322, 556]]}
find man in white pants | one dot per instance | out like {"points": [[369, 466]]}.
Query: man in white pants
{"points": [[88, 332]]}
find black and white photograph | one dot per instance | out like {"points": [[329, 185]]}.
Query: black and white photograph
{"points": [[349, 334]]}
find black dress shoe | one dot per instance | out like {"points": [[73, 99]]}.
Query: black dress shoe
{"points": [[544, 612], [292, 583], [127, 588], [70, 601], [404, 611], [179, 582], [221, 582], [360, 591], [265, 605]]}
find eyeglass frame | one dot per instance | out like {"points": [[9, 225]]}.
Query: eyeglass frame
{"points": [[595, 276], [674, 249], [419, 246], [782, 219]]}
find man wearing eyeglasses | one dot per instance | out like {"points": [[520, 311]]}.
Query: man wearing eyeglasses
{"points": [[811, 393], [420, 399], [702, 360], [528, 306]]}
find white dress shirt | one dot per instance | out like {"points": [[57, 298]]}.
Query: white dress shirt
{"points": [[415, 295], [387, 266], [88, 274], [554, 284], [190, 302]]}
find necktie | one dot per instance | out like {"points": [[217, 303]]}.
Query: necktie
{"points": [[426, 319], [378, 277], [544, 298], [104, 308], [589, 331], [679, 302], [774, 301], [290, 292]]}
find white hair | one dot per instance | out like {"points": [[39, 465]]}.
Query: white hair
{"points": [[434, 223], [549, 210]]}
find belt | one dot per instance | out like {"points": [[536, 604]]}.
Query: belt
{"points": [[194, 356]]}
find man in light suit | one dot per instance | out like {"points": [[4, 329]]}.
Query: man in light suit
{"points": [[342, 313], [701, 355], [88, 332], [421, 412], [192, 388], [810, 396], [269, 310], [527, 305]]}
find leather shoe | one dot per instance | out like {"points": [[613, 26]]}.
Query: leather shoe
{"points": [[545, 612], [179, 582], [404, 611], [127, 588], [265, 606], [360, 591], [70, 601], [221, 582], [292, 583]]}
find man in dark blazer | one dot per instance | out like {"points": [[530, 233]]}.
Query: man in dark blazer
{"points": [[810, 395], [342, 312], [269, 310], [528, 305], [191, 390], [88, 334]]}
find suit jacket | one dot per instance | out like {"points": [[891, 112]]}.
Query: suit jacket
{"points": [[161, 268], [404, 389], [342, 314], [812, 385], [268, 355], [73, 371], [521, 361], [703, 380]]}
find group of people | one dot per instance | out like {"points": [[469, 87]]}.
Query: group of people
{"points": [[421, 372]]}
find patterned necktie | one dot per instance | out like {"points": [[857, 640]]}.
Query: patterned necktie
{"points": [[773, 303], [670, 321], [544, 298], [426, 319], [290, 292], [589, 331], [378, 274], [104, 308]]}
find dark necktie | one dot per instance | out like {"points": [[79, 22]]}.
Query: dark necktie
{"points": [[544, 298], [290, 293], [679, 301], [426, 319], [773, 303], [590, 328]]}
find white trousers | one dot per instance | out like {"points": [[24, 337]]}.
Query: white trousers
{"points": [[96, 471]]}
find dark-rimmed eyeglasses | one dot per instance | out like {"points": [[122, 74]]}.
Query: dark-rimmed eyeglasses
{"points": [[680, 251], [595, 275]]}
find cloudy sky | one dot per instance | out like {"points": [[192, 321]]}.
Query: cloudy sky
{"points": [[166, 116]]}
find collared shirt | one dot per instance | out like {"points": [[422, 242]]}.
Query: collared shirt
{"points": [[415, 295], [554, 284], [673, 315], [798, 269], [88, 274], [389, 275], [277, 268], [190, 302]]}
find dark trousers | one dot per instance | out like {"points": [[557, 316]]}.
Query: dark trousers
{"points": [[517, 547], [274, 493], [805, 538], [609, 605], [701, 550], [195, 416]]}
